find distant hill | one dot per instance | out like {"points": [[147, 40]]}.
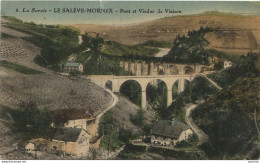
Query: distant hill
{"points": [[237, 34]]}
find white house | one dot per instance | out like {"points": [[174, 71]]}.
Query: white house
{"points": [[35, 146], [71, 65], [30, 147], [168, 133], [227, 64]]}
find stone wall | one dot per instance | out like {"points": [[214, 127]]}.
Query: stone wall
{"points": [[142, 68]]}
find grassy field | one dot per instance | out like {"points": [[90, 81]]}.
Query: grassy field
{"points": [[57, 42], [117, 49], [5, 36], [18, 68], [232, 36]]}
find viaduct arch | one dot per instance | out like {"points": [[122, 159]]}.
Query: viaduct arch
{"points": [[117, 81]]}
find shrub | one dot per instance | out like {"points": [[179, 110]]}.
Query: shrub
{"points": [[138, 118]]}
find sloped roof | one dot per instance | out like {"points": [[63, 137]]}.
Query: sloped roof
{"points": [[167, 128], [73, 114], [67, 134], [40, 143], [72, 64]]}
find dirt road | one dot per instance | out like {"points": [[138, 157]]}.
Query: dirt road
{"points": [[202, 136], [162, 52], [115, 100]]}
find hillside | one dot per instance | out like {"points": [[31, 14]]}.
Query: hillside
{"points": [[237, 34], [231, 116], [52, 92], [23, 80]]}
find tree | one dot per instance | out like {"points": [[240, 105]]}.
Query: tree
{"points": [[110, 140], [31, 122], [190, 48]]}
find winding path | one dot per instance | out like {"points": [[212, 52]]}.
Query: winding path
{"points": [[115, 100], [211, 81], [201, 135], [162, 52]]}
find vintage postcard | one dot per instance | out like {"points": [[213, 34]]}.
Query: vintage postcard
{"points": [[130, 80]]}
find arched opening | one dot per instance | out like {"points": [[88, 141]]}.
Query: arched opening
{"points": [[175, 91], [173, 70], [188, 70], [180, 86], [156, 95], [131, 89], [203, 69], [161, 70], [109, 85]]}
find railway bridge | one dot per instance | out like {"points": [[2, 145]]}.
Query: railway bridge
{"points": [[115, 82]]}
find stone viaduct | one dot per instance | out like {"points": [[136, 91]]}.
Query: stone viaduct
{"points": [[142, 68], [115, 82]]}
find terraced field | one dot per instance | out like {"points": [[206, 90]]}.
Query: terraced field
{"points": [[53, 92], [16, 47]]}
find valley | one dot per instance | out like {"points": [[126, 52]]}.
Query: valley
{"points": [[133, 77]]}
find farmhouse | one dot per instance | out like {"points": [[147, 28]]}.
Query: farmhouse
{"points": [[71, 65], [74, 141], [168, 133], [34, 146], [227, 64], [75, 118]]}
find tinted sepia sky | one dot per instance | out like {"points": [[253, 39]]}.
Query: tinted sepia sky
{"points": [[9, 8]]}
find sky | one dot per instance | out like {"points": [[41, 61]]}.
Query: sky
{"points": [[14, 8]]}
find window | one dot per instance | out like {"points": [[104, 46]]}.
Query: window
{"points": [[55, 147]]}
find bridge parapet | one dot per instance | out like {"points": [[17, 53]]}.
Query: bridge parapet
{"points": [[117, 81], [142, 68]]}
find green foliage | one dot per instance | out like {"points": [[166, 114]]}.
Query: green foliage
{"points": [[192, 141], [56, 42], [190, 48], [117, 49], [74, 73], [178, 154], [110, 141], [161, 44], [231, 57], [96, 63], [157, 98], [200, 88], [5, 36], [131, 90], [126, 135], [228, 117], [110, 131], [131, 152], [107, 119], [18, 68], [30, 122], [228, 126], [138, 118], [94, 43], [245, 67]]}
